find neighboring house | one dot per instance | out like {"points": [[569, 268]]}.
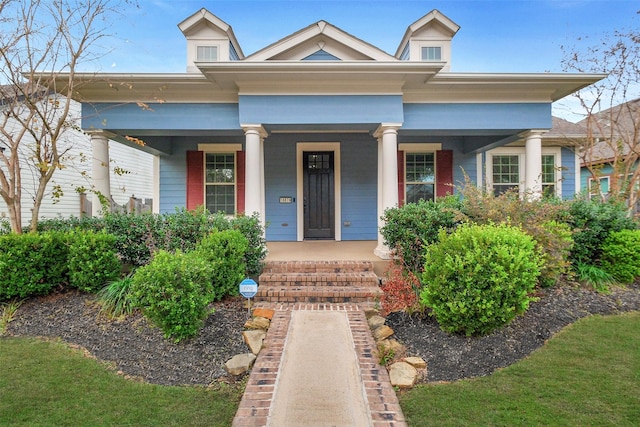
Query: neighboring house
{"points": [[320, 132], [131, 175], [619, 142]]}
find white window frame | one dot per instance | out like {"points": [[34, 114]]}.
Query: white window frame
{"points": [[431, 46], [208, 45], [221, 149], [520, 152]]}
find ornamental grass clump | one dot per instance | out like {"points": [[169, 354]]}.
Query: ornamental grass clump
{"points": [[480, 277]]}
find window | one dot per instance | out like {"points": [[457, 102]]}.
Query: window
{"points": [[431, 53], [220, 182], [207, 53], [599, 187], [549, 180], [419, 177], [506, 173]]}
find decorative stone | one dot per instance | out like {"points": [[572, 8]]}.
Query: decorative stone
{"points": [[382, 332], [416, 362], [370, 312], [254, 340], [258, 323], [240, 363], [375, 321], [403, 375], [393, 345], [264, 312]]}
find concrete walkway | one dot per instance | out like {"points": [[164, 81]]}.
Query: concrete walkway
{"points": [[318, 367]]}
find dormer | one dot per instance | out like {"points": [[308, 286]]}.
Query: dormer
{"points": [[429, 40], [209, 39]]}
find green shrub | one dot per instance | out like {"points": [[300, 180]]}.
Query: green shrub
{"points": [[621, 255], [32, 264], [172, 292], [115, 298], [538, 218], [479, 277], [251, 228], [183, 229], [72, 223], [592, 222], [137, 236], [224, 251], [409, 228], [92, 260]]}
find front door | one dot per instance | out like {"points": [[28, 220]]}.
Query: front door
{"points": [[319, 198]]}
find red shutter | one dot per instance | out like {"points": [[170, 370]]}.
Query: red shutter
{"points": [[444, 172], [195, 179], [401, 178], [240, 187]]}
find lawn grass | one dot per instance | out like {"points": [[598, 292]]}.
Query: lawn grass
{"points": [[48, 383], [588, 374]]}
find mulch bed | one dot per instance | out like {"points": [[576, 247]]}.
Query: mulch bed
{"points": [[137, 349]]}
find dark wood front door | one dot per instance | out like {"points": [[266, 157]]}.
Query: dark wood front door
{"points": [[319, 197]]}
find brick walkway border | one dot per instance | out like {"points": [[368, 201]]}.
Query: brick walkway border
{"points": [[256, 401]]}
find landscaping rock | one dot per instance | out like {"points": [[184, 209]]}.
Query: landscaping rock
{"points": [[403, 375], [393, 345], [382, 332], [254, 340], [258, 323], [240, 363], [370, 312], [264, 312], [375, 321], [416, 362]]}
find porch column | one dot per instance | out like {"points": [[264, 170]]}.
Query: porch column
{"points": [[254, 170], [533, 165], [387, 135], [100, 172]]}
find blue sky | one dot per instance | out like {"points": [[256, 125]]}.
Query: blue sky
{"points": [[509, 36], [495, 36]]}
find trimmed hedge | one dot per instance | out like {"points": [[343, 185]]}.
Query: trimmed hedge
{"points": [[174, 291], [480, 277], [621, 255], [32, 264], [225, 252], [92, 260]]}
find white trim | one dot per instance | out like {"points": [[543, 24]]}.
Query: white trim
{"points": [[479, 170], [220, 148], [520, 152], [578, 176], [420, 147], [301, 147], [156, 184]]}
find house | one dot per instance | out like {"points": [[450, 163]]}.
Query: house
{"points": [[321, 131], [131, 176], [614, 152]]}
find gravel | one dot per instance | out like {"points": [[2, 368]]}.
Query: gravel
{"points": [[138, 350]]}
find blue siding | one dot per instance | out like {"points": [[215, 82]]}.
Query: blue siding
{"points": [[359, 167], [481, 116], [173, 180], [319, 109], [321, 55], [280, 180], [162, 117], [568, 162]]}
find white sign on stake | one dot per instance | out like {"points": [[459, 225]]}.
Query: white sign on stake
{"points": [[248, 289]]}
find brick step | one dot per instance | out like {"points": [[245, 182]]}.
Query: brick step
{"points": [[317, 266], [367, 278], [272, 293]]}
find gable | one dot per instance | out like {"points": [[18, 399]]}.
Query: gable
{"points": [[320, 36]]}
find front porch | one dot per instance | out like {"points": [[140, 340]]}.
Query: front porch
{"points": [[327, 250]]}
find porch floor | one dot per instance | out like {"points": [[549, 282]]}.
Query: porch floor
{"points": [[327, 250]]}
